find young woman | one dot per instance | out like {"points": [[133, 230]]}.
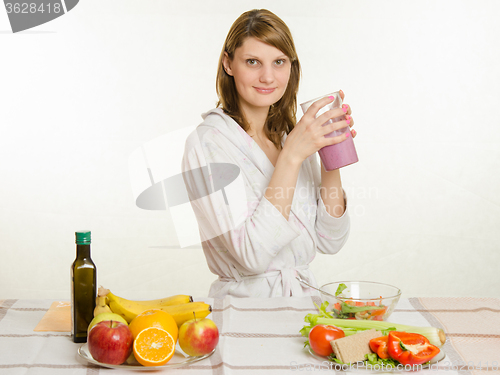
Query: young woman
{"points": [[293, 208]]}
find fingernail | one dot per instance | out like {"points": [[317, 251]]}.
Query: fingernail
{"points": [[331, 97], [355, 132], [348, 119], [347, 134], [344, 108]]}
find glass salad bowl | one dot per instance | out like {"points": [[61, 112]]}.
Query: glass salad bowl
{"points": [[362, 300]]}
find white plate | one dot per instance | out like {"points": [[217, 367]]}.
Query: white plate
{"points": [[360, 366], [179, 359]]}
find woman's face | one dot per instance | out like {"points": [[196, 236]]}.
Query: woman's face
{"points": [[260, 73]]}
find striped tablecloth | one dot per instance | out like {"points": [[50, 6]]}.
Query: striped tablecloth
{"points": [[260, 335]]}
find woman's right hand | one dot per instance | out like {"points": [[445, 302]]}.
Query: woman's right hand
{"points": [[308, 136]]}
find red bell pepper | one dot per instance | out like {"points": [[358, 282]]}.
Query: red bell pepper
{"points": [[410, 348], [379, 345]]}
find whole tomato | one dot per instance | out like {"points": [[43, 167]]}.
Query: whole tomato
{"points": [[321, 335]]}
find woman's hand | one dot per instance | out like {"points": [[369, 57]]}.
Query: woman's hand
{"points": [[348, 114], [308, 136]]}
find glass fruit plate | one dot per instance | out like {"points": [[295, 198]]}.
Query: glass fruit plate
{"points": [[361, 367], [179, 359]]}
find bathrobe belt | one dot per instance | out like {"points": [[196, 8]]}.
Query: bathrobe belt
{"points": [[286, 277]]}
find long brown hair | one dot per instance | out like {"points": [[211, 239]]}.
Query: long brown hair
{"points": [[270, 29]]}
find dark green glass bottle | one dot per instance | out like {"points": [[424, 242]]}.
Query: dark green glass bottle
{"points": [[83, 288]]}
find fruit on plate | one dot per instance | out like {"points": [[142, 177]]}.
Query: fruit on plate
{"points": [[129, 309], [110, 342], [101, 306], [153, 346], [106, 316], [198, 336], [154, 318], [321, 335]]}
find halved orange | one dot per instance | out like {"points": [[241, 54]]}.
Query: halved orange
{"points": [[154, 318], [154, 346]]}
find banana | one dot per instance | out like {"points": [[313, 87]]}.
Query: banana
{"points": [[167, 301], [188, 311], [101, 306], [181, 312], [128, 309]]}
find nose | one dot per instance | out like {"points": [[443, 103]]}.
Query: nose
{"points": [[266, 74]]}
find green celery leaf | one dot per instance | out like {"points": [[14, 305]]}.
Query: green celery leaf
{"points": [[305, 331], [309, 318], [340, 289]]}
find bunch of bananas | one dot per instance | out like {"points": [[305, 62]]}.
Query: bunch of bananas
{"points": [[181, 307]]}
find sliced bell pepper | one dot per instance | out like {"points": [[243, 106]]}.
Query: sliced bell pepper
{"points": [[379, 345], [410, 348]]}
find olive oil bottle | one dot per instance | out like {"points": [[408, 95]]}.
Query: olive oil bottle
{"points": [[83, 288]]}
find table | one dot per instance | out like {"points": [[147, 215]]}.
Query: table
{"points": [[261, 335]]}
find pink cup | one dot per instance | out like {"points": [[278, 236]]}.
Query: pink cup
{"points": [[341, 154]]}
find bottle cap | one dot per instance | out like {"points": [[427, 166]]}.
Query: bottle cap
{"points": [[82, 238]]}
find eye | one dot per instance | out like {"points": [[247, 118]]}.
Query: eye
{"points": [[252, 62], [280, 62]]}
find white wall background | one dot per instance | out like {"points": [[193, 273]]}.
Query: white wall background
{"points": [[79, 94]]}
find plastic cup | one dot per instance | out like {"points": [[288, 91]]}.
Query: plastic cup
{"points": [[340, 154]]}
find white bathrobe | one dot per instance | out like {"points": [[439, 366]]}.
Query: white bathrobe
{"points": [[262, 254]]}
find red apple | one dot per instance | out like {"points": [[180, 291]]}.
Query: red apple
{"points": [[198, 337], [110, 342]]}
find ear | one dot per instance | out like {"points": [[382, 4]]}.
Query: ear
{"points": [[226, 62]]}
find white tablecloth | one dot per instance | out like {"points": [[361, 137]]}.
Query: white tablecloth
{"points": [[255, 335]]}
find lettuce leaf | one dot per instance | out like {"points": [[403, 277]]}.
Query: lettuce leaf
{"points": [[373, 359]]}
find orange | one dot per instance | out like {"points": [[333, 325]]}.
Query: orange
{"points": [[153, 347], [154, 318]]}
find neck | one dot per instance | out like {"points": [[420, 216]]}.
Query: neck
{"points": [[256, 118]]}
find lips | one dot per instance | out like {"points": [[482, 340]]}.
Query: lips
{"points": [[264, 90]]}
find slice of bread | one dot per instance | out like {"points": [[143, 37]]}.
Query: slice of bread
{"points": [[351, 349]]}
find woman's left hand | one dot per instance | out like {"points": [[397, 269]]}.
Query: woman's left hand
{"points": [[347, 110]]}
